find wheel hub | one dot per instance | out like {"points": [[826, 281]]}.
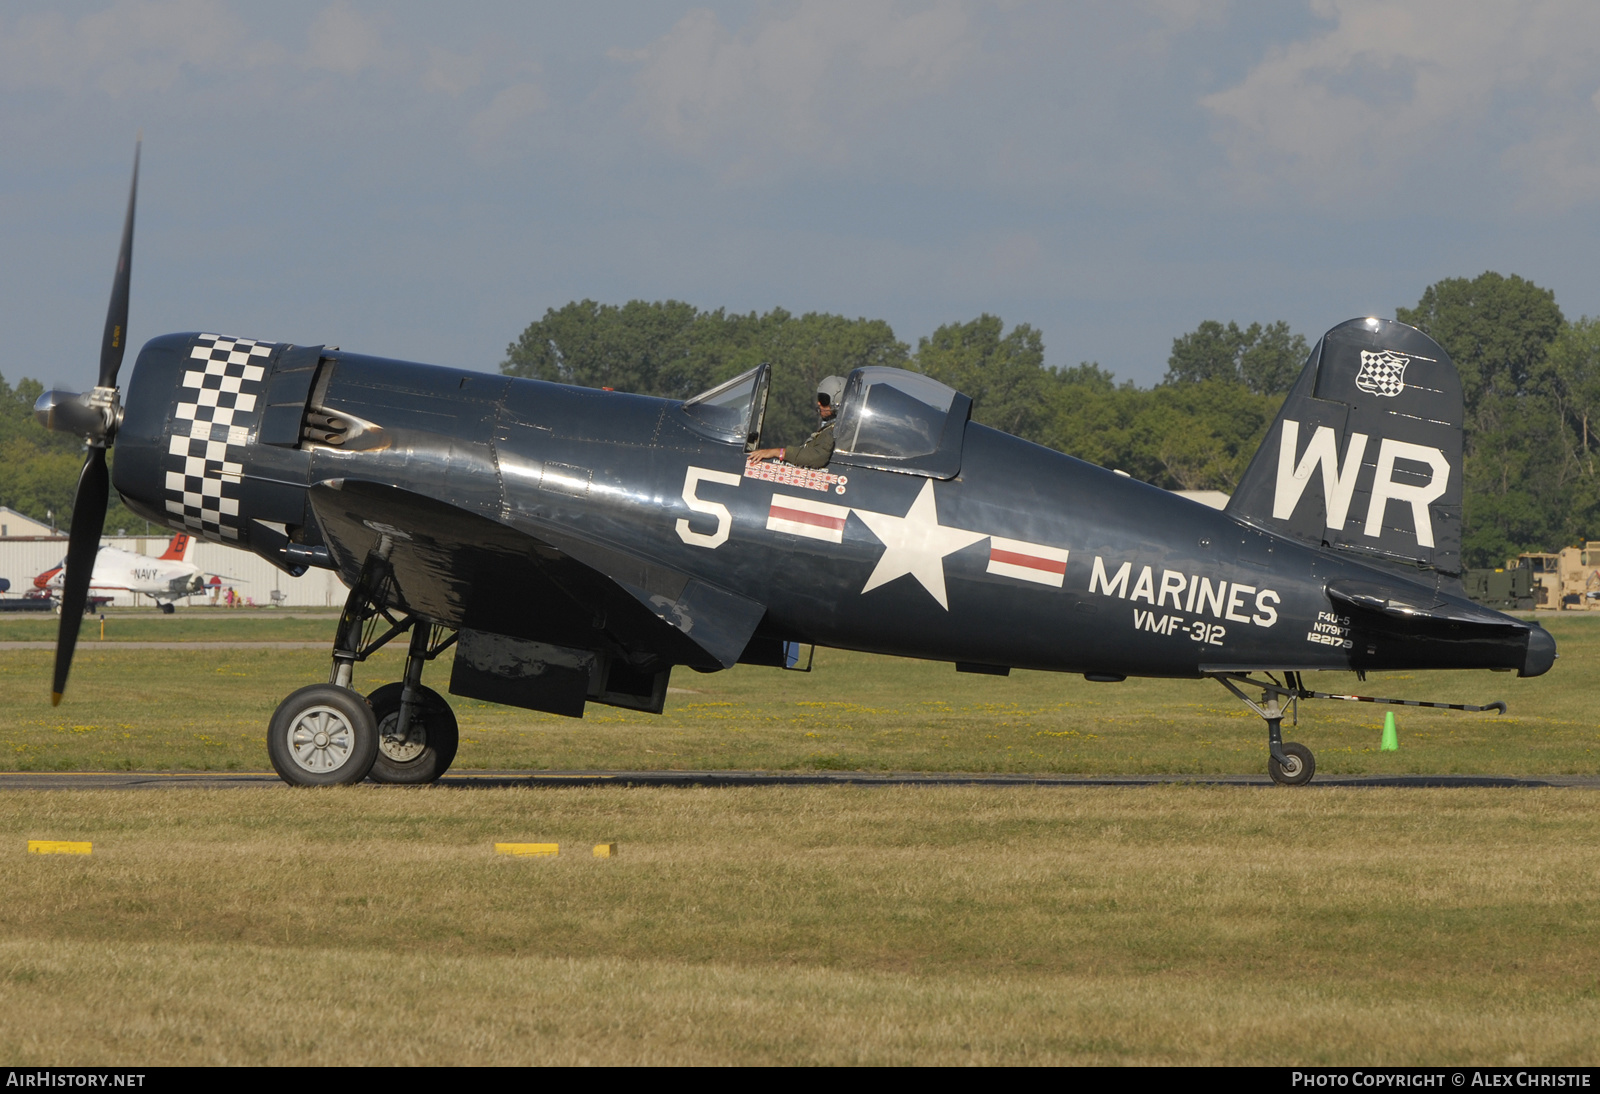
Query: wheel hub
{"points": [[402, 749], [321, 740]]}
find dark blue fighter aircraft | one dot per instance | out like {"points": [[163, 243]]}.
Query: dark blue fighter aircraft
{"points": [[576, 546]]}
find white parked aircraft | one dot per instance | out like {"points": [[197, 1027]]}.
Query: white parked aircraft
{"points": [[163, 579]]}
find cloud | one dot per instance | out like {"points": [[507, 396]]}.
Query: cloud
{"points": [[1393, 93], [127, 47], [342, 40], [497, 125], [803, 85], [452, 73]]}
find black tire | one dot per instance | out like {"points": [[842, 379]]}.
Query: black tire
{"points": [[1298, 771], [167, 609], [322, 735], [419, 761]]}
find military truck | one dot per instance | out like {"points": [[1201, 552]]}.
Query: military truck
{"points": [[1506, 590], [1567, 580]]}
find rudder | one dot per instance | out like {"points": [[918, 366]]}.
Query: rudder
{"points": [[178, 548], [1365, 455]]}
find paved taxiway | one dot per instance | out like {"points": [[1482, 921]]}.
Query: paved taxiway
{"points": [[218, 780]]}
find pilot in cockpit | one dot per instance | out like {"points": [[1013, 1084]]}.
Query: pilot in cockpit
{"points": [[818, 448]]}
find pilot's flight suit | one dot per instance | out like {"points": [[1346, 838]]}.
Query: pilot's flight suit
{"points": [[817, 450]]}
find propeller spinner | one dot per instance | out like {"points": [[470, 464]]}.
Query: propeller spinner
{"points": [[94, 416]]}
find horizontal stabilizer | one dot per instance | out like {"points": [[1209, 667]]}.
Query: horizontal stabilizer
{"points": [[1455, 627], [1372, 596]]}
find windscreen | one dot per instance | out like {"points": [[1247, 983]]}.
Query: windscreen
{"points": [[725, 410]]}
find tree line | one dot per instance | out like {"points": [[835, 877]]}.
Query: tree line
{"points": [[39, 469], [1531, 379], [1197, 430]]}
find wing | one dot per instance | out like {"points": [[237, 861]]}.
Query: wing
{"points": [[461, 569]]}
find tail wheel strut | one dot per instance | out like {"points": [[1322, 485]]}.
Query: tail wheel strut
{"points": [[1291, 763]]}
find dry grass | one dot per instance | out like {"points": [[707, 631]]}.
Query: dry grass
{"points": [[1157, 925], [187, 624], [207, 709]]}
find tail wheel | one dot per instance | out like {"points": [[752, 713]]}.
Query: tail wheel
{"points": [[1298, 770], [430, 746], [322, 735]]}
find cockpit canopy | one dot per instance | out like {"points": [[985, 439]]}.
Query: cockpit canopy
{"points": [[889, 419], [901, 421]]}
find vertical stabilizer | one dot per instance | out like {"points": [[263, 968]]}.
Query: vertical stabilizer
{"points": [[1365, 456], [178, 549]]}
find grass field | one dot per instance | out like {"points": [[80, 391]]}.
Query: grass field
{"points": [[191, 625], [843, 925], [1172, 924], [131, 708]]}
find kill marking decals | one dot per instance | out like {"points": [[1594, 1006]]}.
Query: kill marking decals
{"points": [[228, 383], [804, 477]]}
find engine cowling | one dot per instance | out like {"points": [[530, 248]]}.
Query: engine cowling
{"points": [[209, 440]]}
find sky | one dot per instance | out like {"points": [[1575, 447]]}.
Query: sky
{"points": [[422, 181]]}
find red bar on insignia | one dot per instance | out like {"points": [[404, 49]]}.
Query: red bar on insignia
{"points": [[804, 517], [1027, 561]]}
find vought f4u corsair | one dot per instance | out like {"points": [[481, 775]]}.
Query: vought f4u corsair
{"points": [[576, 546]]}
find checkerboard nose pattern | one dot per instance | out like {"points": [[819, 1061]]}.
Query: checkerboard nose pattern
{"points": [[223, 383]]}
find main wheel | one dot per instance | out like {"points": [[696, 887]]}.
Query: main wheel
{"points": [[430, 746], [1298, 771], [323, 735]]}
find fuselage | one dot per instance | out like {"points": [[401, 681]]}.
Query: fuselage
{"points": [[1025, 557], [128, 571]]}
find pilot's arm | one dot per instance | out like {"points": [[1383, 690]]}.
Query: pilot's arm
{"points": [[818, 449], [815, 453]]}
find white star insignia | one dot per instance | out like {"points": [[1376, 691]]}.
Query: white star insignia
{"points": [[916, 544]]}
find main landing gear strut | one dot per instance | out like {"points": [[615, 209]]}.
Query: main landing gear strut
{"points": [[1291, 763], [328, 734]]}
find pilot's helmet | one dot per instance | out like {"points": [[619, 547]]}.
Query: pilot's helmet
{"points": [[830, 390]]}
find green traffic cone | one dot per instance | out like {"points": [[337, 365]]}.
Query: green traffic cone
{"points": [[1391, 740]]}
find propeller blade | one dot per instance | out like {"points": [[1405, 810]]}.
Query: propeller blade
{"points": [[116, 336], [88, 520]]}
